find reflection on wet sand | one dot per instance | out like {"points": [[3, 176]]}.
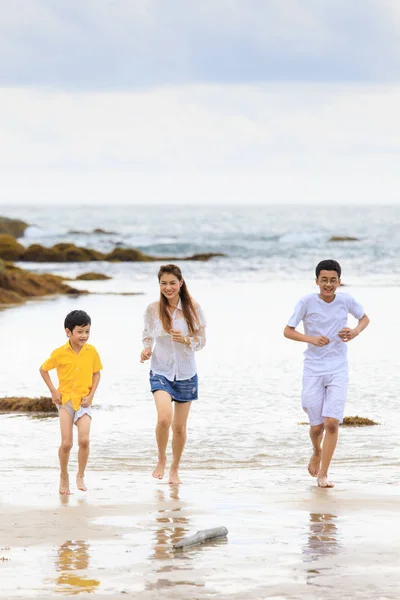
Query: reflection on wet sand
{"points": [[322, 540], [74, 556], [171, 527]]}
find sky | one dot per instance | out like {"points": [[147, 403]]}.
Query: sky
{"points": [[181, 101]]}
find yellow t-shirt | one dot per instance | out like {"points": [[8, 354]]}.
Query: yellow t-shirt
{"points": [[74, 371]]}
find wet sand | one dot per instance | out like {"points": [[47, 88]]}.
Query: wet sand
{"points": [[245, 467], [287, 538]]}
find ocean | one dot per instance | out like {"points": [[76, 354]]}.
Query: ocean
{"points": [[246, 456]]}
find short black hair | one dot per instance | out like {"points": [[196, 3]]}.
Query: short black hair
{"points": [[328, 265], [76, 318]]}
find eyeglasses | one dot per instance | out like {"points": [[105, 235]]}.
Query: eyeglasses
{"points": [[332, 281]]}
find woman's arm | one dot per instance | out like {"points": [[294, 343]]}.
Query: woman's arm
{"points": [[194, 342]]}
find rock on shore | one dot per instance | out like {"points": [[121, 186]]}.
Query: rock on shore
{"points": [[29, 405], [18, 285], [343, 238], [10, 249], [92, 277], [13, 227]]}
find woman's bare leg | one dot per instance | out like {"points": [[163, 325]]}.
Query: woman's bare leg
{"points": [[181, 413], [164, 418]]}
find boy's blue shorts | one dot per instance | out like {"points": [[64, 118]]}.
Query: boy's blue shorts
{"points": [[184, 390]]}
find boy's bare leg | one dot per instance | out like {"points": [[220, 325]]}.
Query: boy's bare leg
{"points": [[328, 448], [66, 423], [316, 435], [164, 418], [181, 413], [83, 425]]}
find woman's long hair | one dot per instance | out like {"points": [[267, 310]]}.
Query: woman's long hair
{"points": [[188, 307]]}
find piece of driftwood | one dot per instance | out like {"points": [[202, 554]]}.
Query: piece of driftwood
{"points": [[201, 536]]}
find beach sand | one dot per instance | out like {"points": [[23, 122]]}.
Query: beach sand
{"points": [[285, 541], [244, 467]]}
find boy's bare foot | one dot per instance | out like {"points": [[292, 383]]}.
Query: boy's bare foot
{"points": [[324, 483], [80, 484], [174, 477], [158, 472], [314, 464], [64, 486]]}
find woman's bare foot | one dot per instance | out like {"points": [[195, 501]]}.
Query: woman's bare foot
{"points": [[158, 472], [174, 477], [80, 484], [64, 485], [314, 464], [323, 482]]}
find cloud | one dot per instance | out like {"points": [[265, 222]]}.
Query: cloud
{"points": [[201, 143], [126, 44]]}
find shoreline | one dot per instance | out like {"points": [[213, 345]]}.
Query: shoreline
{"points": [[117, 539]]}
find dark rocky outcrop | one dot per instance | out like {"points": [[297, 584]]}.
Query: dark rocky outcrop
{"points": [[27, 405], [358, 422], [128, 255], [93, 277], [13, 227], [18, 285], [202, 257], [352, 422], [10, 249], [343, 238], [98, 230], [65, 252]]}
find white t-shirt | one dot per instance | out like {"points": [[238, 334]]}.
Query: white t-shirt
{"points": [[325, 318]]}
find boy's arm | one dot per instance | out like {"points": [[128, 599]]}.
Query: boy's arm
{"points": [[297, 336], [55, 394], [347, 334], [87, 400]]}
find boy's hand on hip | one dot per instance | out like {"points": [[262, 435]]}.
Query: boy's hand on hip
{"points": [[346, 334], [145, 354], [56, 397], [86, 401], [321, 340]]}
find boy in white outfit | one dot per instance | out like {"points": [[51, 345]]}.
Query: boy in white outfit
{"points": [[325, 376]]}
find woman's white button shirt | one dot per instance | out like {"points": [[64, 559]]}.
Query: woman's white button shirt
{"points": [[172, 359]]}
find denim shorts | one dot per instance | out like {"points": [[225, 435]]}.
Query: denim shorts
{"points": [[184, 390]]}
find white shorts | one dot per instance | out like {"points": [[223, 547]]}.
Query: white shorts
{"points": [[324, 396], [75, 414]]}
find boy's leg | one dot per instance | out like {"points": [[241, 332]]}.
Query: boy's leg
{"points": [[312, 397], [316, 436], [328, 448], [333, 411], [181, 413], [164, 418], [83, 425], [66, 424]]}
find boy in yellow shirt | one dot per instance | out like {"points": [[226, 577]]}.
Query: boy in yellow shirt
{"points": [[78, 369]]}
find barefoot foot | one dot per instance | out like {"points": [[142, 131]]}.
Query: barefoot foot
{"points": [[64, 486], [158, 472], [174, 477], [314, 464], [324, 483], [80, 484]]}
